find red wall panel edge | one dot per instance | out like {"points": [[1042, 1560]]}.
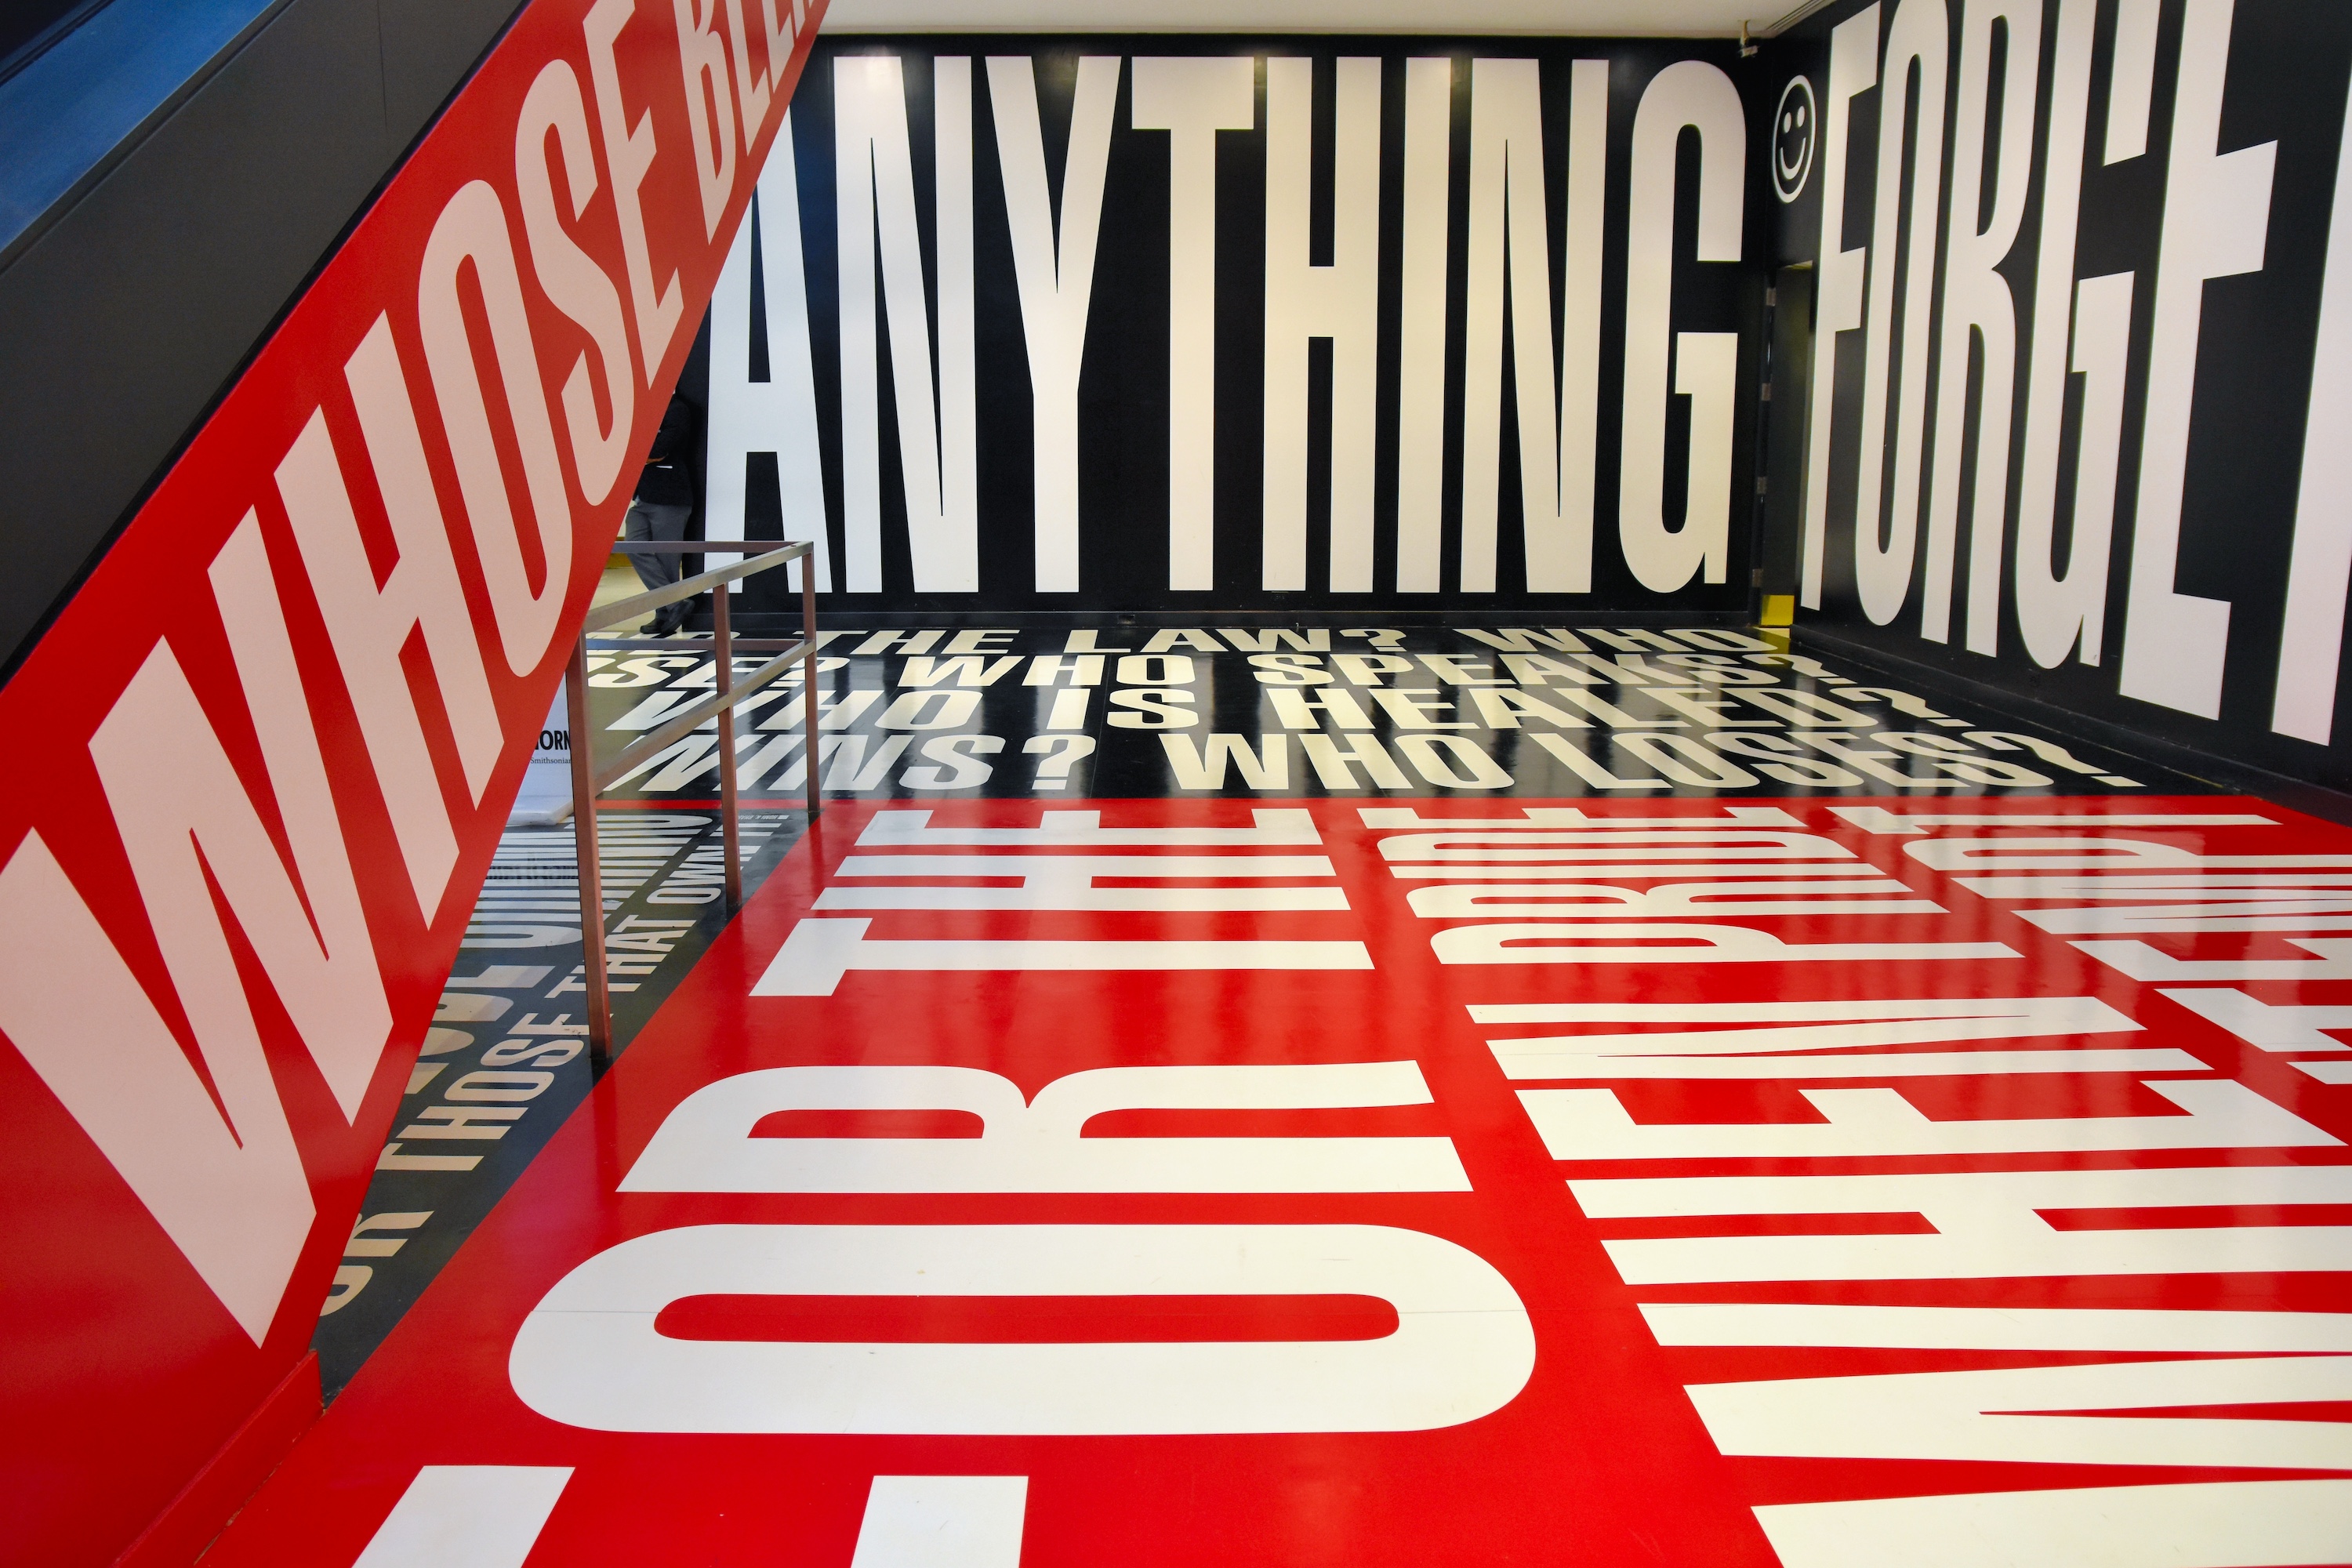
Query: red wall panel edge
{"points": [[189, 1523], [279, 730]]}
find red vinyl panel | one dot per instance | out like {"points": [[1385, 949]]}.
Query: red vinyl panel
{"points": [[724, 1320], [321, 654]]}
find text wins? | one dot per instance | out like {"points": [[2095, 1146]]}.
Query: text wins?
{"points": [[1550, 712]]}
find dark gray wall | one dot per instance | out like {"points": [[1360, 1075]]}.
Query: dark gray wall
{"points": [[130, 307], [1124, 439], [2257, 425]]}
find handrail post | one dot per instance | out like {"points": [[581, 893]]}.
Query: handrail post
{"points": [[723, 648], [720, 707], [592, 881], [808, 681]]}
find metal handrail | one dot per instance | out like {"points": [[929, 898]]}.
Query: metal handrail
{"points": [[588, 779], [636, 604]]}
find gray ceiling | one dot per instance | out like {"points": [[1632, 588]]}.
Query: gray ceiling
{"points": [[1619, 18]]}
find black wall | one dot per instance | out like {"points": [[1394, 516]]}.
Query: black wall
{"points": [[2246, 492], [130, 307], [1123, 441]]}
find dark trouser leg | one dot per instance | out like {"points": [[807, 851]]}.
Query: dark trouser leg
{"points": [[656, 522]]}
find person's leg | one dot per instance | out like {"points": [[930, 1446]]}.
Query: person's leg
{"points": [[666, 522], [640, 524]]}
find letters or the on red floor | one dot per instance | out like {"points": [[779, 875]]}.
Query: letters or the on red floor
{"points": [[1688, 1181]]}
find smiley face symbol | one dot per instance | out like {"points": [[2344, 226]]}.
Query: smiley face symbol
{"points": [[1792, 139]]}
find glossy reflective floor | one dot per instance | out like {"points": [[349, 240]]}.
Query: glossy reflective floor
{"points": [[1947, 1174]]}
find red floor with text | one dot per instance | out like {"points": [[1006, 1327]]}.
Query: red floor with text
{"points": [[1140, 1182]]}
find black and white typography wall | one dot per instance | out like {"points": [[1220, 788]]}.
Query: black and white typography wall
{"points": [[1140, 323], [2079, 419]]}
